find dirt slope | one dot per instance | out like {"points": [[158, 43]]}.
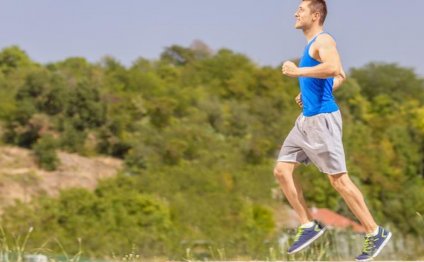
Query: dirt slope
{"points": [[20, 177]]}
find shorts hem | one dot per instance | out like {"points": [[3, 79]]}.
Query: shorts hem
{"points": [[335, 173], [289, 161], [294, 161]]}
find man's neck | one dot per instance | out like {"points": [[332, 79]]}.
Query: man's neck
{"points": [[311, 32]]}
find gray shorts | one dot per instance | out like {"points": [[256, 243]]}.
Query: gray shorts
{"points": [[316, 139]]}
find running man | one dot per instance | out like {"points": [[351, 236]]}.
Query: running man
{"points": [[317, 134]]}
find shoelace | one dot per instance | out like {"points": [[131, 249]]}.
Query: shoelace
{"points": [[298, 234], [368, 245]]}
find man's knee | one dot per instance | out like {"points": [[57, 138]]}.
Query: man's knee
{"points": [[280, 172], [284, 171], [340, 182]]}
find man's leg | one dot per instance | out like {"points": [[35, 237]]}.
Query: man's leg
{"points": [[291, 188], [376, 237], [354, 199], [310, 230]]}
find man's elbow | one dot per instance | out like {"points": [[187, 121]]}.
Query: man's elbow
{"points": [[334, 70], [343, 78]]}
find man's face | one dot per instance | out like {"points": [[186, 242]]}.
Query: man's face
{"points": [[304, 16]]}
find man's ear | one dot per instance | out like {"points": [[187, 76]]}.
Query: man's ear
{"points": [[316, 16]]}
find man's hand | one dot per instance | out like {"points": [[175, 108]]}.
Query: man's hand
{"points": [[298, 100], [290, 69], [338, 80]]}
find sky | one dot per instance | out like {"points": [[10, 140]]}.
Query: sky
{"points": [[388, 31]]}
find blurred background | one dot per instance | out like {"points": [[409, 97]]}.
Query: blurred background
{"points": [[148, 130]]}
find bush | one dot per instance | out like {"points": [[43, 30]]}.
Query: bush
{"points": [[45, 152]]}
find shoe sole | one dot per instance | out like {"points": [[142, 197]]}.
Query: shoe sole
{"points": [[307, 243], [364, 260], [378, 250]]}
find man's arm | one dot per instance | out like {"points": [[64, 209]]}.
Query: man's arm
{"points": [[330, 61], [338, 80]]}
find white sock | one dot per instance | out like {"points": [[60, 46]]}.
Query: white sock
{"points": [[308, 225], [374, 233]]}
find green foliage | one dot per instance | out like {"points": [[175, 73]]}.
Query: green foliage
{"points": [[398, 82], [45, 152], [72, 139], [84, 108], [13, 58], [161, 111], [101, 220]]}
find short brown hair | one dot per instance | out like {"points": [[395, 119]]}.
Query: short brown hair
{"points": [[319, 6]]}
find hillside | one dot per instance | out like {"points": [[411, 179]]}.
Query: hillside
{"points": [[199, 132], [21, 178]]}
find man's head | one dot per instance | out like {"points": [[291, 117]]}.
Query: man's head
{"points": [[310, 12]]}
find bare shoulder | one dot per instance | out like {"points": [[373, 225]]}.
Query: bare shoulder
{"points": [[323, 43], [325, 40]]}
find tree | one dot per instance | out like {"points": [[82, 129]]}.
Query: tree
{"points": [[13, 58], [85, 108], [398, 82]]}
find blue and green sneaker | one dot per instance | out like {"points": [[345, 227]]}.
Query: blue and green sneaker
{"points": [[305, 236], [374, 244]]}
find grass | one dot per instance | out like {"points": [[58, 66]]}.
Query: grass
{"points": [[322, 250], [14, 248], [15, 251], [332, 246]]}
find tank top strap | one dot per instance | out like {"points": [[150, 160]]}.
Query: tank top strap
{"points": [[315, 37]]}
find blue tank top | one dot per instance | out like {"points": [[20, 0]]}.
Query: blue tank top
{"points": [[317, 94]]}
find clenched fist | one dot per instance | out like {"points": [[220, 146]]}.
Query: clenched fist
{"points": [[298, 100], [290, 69]]}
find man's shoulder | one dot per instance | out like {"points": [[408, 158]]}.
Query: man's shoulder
{"points": [[325, 39]]}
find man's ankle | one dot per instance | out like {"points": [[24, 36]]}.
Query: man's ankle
{"points": [[308, 224]]}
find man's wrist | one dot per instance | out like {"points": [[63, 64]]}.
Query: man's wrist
{"points": [[301, 71]]}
